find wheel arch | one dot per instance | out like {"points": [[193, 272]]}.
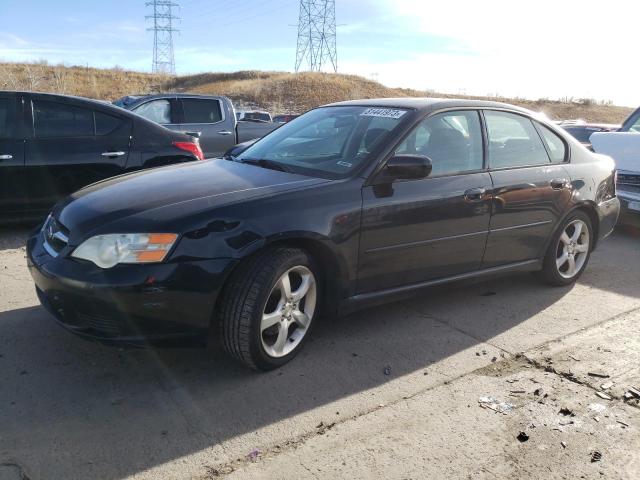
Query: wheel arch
{"points": [[589, 208], [334, 269]]}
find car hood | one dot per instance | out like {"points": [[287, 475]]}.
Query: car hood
{"points": [[190, 186], [624, 147]]}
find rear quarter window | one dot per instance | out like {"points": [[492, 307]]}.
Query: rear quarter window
{"points": [[555, 145], [106, 124]]}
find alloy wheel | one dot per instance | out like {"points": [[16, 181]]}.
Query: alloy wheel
{"points": [[288, 312], [573, 249]]}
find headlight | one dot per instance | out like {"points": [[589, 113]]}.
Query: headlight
{"points": [[109, 250]]}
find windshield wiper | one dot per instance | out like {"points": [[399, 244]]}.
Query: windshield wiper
{"points": [[264, 163]]}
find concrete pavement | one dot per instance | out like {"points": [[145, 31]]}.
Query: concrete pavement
{"points": [[73, 409]]}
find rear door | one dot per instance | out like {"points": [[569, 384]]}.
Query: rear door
{"points": [[208, 117], [13, 197], [531, 187], [71, 146]]}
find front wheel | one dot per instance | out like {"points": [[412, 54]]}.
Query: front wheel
{"points": [[569, 251], [268, 307]]}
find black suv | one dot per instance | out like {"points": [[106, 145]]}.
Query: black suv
{"points": [[53, 145]]}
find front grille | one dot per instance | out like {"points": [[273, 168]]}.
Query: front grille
{"points": [[629, 179], [56, 236], [99, 323]]}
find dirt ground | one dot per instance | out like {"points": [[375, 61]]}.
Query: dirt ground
{"points": [[500, 379]]}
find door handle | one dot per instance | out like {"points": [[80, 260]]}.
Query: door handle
{"points": [[6, 157], [225, 132], [113, 154], [474, 194], [559, 183]]}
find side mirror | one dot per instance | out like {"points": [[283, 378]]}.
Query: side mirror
{"points": [[408, 167]]}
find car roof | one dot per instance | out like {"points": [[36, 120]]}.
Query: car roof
{"points": [[428, 104], [58, 96], [106, 106], [89, 102], [174, 95]]}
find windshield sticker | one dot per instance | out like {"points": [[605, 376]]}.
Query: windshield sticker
{"points": [[345, 164], [383, 112]]}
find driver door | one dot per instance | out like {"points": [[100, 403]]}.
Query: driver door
{"points": [[419, 230]]}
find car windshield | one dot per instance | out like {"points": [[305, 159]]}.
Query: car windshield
{"points": [[329, 142]]}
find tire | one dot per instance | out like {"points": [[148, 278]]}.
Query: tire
{"points": [[568, 254], [255, 296]]}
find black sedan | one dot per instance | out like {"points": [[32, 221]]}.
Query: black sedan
{"points": [[349, 205], [52, 145]]}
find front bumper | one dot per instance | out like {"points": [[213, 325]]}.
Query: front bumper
{"points": [[127, 303], [629, 216]]}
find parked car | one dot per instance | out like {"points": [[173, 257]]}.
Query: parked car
{"points": [[53, 145], [211, 117], [353, 204], [624, 147], [284, 118], [582, 131]]}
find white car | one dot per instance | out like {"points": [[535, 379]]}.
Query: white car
{"points": [[624, 147]]}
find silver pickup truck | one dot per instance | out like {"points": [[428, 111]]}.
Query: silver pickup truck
{"points": [[212, 117], [624, 147]]}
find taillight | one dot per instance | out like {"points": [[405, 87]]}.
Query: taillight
{"points": [[190, 147]]}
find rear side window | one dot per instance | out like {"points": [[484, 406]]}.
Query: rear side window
{"points": [[106, 124], [158, 111], [51, 119], [4, 118], [452, 140], [201, 110], [513, 141], [555, 145]]}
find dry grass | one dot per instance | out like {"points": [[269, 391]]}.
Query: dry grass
{"points": [[85, 82], [277, 92]]}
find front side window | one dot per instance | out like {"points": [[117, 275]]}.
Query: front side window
{"points": [[201, 110], [329, 142], [513, 141], [555, 145], [51, 119], [158, 111], [452, 140]]}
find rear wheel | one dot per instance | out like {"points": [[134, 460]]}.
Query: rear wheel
{"points": [[569, 251], [268, 307]]}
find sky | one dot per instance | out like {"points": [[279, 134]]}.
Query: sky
{"points": [[531, 49]]}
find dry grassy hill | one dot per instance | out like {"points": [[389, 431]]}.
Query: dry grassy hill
{"points": [[277, 92]]}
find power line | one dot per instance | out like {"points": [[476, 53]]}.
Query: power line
{"points": [[237, 12], [316, 44], [163, 17]]}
